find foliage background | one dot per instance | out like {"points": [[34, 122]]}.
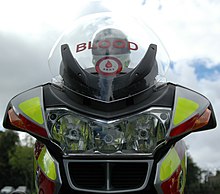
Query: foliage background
{"points": [[16, 160]]}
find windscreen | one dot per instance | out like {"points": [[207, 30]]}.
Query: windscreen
{"points": [[104, 48]]}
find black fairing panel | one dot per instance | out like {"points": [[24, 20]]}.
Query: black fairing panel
{"points": [[160, 97]]}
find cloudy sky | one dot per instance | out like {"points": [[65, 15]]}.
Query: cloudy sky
{"points": [[189, 29]]}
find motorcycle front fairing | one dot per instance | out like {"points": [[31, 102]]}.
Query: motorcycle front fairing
{"points": [[109, 122], [35, 110]]}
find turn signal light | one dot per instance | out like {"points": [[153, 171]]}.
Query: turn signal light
{"points": [[192, 124], [22, 123], [203, 120]]}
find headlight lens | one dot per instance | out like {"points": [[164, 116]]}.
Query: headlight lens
{"points": [[140, 133]]}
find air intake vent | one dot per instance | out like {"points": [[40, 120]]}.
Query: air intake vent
{"points": [[88, 175], [111, 176]]}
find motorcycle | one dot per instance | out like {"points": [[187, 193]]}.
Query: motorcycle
{"points": [[109, 122]]}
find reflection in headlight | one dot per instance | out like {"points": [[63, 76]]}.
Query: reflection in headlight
{"points": [[140, 133]]}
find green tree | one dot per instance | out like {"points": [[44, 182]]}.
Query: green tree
{"points": [[193, 178], [16, 160], [8, 142], [21, 162]]}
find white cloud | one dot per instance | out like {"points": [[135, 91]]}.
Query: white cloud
{"points": [[33, 17], [188, 28]]}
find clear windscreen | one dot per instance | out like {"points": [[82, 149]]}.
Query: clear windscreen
{"points": [[106, 46]]}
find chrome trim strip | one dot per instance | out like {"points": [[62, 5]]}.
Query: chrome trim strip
{"points": [[108, 176]]}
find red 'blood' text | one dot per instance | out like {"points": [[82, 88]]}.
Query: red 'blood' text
{"points": [[120, 44]]}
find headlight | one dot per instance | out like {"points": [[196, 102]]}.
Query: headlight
{"points": [[140, 133]]}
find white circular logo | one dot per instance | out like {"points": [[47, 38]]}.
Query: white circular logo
{"points": [[108, 66]]}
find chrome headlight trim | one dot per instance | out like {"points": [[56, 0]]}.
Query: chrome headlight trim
{"points": [[109, 135]]}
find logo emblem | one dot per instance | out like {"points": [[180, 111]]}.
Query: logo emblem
{"points": [[108, 66]]}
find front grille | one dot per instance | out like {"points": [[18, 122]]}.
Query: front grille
{"points": [[108, 176], [88, 175], [128, 175]]}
